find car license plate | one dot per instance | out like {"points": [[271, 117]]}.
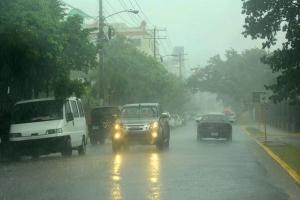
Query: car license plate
{"points": [[214, 134], [95, 127]]}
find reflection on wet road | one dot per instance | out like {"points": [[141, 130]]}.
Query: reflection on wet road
{"points": [[209, 170], [116, 177]]}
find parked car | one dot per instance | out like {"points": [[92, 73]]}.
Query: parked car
{"points": [[214, 125], [44, 126], [142, 123], [101, 122]]}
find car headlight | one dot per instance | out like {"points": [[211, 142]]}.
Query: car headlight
{"points": [[15, 135], [117, 135], [54, 131], [117, 127], [154, 134], [154, 125]]}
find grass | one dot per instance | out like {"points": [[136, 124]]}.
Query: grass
{"points": [[255, 131], [289, 154]]}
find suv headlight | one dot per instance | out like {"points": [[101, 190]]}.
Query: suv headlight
{"points": [[54, 131], [154, 125], [117, 127]]}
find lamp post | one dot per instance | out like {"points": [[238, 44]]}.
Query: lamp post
{"points": [[100, 42]]}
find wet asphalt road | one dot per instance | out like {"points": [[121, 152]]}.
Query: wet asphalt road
{"points": [[209, 170]]}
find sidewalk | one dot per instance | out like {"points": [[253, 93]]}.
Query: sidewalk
{"points": [[277, 136], [284, 147]]}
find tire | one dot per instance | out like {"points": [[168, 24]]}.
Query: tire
{"points": [[67, 149], [229, 138], [82, 148], [93, 140], [35, 156]]}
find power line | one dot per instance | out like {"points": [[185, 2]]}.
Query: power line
{"points": [[141, 10], [125, 7]]}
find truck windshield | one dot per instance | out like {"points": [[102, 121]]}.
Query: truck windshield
{"points": [[37, 112], [139, 112]]}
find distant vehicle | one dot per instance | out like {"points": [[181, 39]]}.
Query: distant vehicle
{"points": [[101, 123], [231, 115], [44, 126], [214, 125], [142, 123]]}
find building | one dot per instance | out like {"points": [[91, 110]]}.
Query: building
{"points": [[140, 37], [175, 63]]}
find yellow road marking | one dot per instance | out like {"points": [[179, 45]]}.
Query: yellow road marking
{"points": [[275, 157]]}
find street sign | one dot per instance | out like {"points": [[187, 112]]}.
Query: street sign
{"points": [[259, 97]]}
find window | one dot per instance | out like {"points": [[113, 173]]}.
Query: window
{"points": [[74, 108], [81, 111], [67, 107], [37, 112]]}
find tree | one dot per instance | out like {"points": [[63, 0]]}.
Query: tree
{"points": [[264, 20], [233, 79], [39, 47], [133, 77]]}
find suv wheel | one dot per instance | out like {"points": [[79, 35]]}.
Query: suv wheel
{"points": [[82, 148], [93, 140], [67, 149]]}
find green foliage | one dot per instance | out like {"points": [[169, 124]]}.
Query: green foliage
{"points": [[233, 79], [134, 77], [39, 47], [264, 20]]}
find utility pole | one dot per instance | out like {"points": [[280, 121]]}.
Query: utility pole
{"points": [[180, 65], [101, 54], [155, 38]]}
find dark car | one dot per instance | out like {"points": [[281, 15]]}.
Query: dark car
{"points": [[101, 121], [143, 124], [214, 125]]}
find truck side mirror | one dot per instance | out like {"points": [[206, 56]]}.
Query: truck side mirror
{"points": [[69, 117]]}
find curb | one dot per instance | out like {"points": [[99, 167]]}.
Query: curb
{"points": [[276, 158]]}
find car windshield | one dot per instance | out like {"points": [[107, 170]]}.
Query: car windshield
{"points": [[214, 118], [139, 112], [37, 112]]}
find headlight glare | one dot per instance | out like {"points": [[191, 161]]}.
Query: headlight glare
{"points": [[154, 125], [117, 135], [117, 127], [154, 134]]}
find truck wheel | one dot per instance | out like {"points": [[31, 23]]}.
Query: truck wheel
{"points": [[93, 140], [82, 148], [229, 139], [67, 149]]}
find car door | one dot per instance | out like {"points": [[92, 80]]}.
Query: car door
{"points": [[69, 127], [83, 124], [77, 123]]}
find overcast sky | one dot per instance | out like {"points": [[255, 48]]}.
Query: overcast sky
{"points": [[204, 27]]}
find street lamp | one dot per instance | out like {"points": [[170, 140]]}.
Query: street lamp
{"points": [[123, 11], [101, 46]]}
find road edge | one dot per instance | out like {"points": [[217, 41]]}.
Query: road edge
{"points": [[288, 169]]}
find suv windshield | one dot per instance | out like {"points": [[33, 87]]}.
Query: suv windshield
{"points": [[37, 112], [139, 112]]}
